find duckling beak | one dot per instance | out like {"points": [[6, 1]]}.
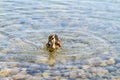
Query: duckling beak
{"points": [[52, 44]]}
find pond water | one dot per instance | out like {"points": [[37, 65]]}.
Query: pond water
{"points": [[89, 31]]}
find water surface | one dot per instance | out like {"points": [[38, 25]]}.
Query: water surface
{"points": [[89, 30]]}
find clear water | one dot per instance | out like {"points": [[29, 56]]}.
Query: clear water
{"points": [[89, 30]]}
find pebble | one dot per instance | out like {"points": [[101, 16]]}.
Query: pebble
{"points": [[88, 75], [34, 78], [117, 60], [103, 63], [63, 78], [55, 73], [14, 71], [81, 73], [101, 72], [4, 50], [5, 72], [111, 69], [46, 74], [23, 72], [19, 77], [73, 74], [117, 65], [116, 78], [111, 61], [95, 61], [93, 70], [86, 66]]}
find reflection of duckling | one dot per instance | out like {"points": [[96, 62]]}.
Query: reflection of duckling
{"points": [[51, 60], [53, 43]]}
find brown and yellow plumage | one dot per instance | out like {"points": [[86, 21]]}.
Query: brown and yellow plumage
{"points": [[53, 43]]}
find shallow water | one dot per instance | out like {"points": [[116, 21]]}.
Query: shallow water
{"points": [[89, 30]]}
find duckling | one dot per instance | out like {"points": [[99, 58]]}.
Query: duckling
{"points": [[54, 43]]}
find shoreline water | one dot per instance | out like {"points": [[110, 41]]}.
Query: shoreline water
{"points": [[89, 31]]}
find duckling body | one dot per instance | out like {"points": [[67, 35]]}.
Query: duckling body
{"points": [[53, 43]]}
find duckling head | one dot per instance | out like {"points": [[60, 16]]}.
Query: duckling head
{"points": [[52, 41]]}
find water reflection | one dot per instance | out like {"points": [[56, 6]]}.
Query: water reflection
{"points": [[52, 59]]}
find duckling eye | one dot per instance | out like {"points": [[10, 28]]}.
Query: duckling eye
{"points": [[52, 38]]}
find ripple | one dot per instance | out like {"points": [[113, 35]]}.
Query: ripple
{"points": [[89, 34], [83, 43]]}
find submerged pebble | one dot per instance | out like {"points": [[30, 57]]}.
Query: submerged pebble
{"points": [[103, 63], [86, 66], [73, 74], [5, 72], [46, 74], [117, 60], [111, 61], [19, 77]]}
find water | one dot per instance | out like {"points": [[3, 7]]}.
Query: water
{"points": [[89, 30]]}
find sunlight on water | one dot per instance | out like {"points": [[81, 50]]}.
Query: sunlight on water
{"points": [[89, 31]]}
